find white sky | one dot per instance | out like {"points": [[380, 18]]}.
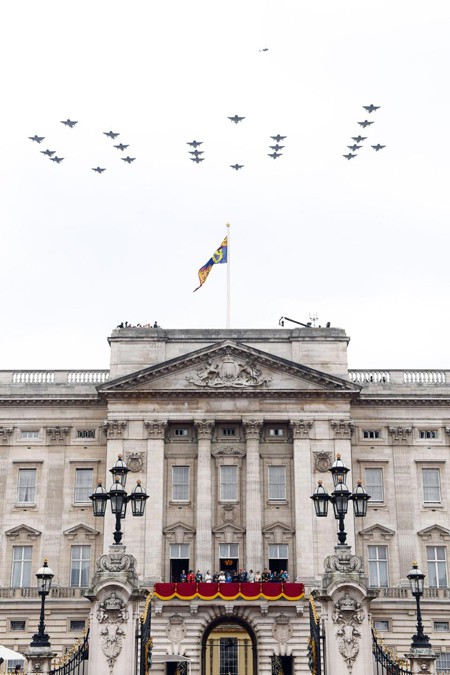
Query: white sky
{"points": [[364, 244]]}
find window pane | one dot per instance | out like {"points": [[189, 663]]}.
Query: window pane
{"points": [[431, 485], [374, 484], [378, 566], [228, 664], [180, 483], [179, 551], [278, 551], [83, 484], [228, 550], [80, 565], [27, 486], [228, 483], [277, 483], [21, 568]]}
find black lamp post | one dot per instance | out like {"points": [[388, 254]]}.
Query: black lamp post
{"points": [[118, 497], [340, 497], [44, 576], [416, 578]]}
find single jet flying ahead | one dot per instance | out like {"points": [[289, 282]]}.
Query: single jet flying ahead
{"points": [[236, 119], [196, 152], [354, 147], [276, 147], [197, 159], [49, 153], [236, 167], [378, 147], [278, 138], [194, 144], [111, 134], [358, 139], [36, 139], [371, 108], [128, 159], [58, 160], [349, 156], [121, 146], [98, 169], [274, 154], [365, 124], [69, 123]]}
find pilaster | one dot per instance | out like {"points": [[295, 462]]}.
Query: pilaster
{"points": [[305, 553], [343, 431], [203, 540], [114, 431], [253, 506], [156, 430]]}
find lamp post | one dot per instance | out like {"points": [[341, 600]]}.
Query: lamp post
{"points": [[416, 578], [340, 497], [44, 576], [118, 497]]}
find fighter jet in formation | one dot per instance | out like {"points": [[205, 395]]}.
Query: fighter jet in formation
{"points": [[58, 160], [236, 119], [278, 138], [121, 146], [349, 156], [378, 147], [98, 169], [365, 124], [196, 152], [264, 49], [358, 139], [49, 153], [197, 159], [236, 167], [128, 159], [276, 147], [194, 144], [274, 154], [36, 139], [69, 123], [111, 134], [371, 108], [354, 147]]}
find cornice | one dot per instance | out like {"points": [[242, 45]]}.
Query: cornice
{"points": [[411, 401], [231, 393], [52, 402]]}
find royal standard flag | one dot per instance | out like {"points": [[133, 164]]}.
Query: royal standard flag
{"points": [[217, 258]]}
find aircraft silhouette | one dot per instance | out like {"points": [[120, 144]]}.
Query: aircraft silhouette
{"points": [[274, 154], [278, 138], [69, 123], [197, 159], [58, 160], [236, 167], [378, 147], [236, 119], [98, 169], [371, 108], [365, 124], [49, 153], [276, 147], [355, 147], [121, 146], [111, 134], [128, 159], [36, 139], [194, 144], [196, 152], [349, 156], [358, 139]]}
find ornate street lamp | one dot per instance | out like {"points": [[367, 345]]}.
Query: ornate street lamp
{"points": [[44, 576], [340, 497], [416, 578], [119, 498]]}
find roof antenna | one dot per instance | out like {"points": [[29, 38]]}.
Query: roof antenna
{"points": [[313, 317]]}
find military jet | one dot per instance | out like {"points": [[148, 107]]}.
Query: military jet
{"points": [[378, 147], [276, 147], [36, 139], [98, 169], [365, 124], [194, 144], [196, 152], [58, 160], [274, 154], [371, 108], [358, 139], [264, 49], [111, 134], [197, 159], [128, 159], [69, 123], [354, 147], [236, 167], [349, 156], [121, 146], [236, 119], [49, 153]]}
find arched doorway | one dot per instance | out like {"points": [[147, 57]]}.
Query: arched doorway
{"points": [[229, 648]]}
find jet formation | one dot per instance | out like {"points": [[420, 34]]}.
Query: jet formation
{"points": [[358, 140], [196, 153]]}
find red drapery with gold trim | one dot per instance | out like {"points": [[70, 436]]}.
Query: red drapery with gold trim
{"points": [[230, 591]]}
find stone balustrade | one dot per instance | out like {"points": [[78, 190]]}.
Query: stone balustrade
{"points": [[50, 377], [409, 378], [32, 592]]}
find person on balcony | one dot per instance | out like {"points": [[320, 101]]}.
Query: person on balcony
{"points": [[183, 576], [208, 577], [251, 577], [198, 577], [221, 579]]}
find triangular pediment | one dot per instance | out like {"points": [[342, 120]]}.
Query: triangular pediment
{"points": [[434, 532], [178, 527], [377, 531], [81, 531], [229, 527], [278, 527], [23, 532], [228, 367]]}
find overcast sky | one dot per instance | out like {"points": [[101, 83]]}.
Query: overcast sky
{"points": [[363, 243]]}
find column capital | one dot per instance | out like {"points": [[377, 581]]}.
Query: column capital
{"points": [[58, 434], [252, 428], [400, 433], [114, 428], [5, 433], [155, 428], [204, 428], [342, 428], [301, 428]]}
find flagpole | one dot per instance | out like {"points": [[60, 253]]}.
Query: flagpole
{"points": [[228, 274]]}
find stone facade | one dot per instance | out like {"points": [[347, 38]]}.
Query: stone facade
{"points": [[229, 431]]}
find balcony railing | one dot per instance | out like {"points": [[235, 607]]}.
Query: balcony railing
{"points": [[46, 377], [428, 593], [385, 378], [32, 592]]}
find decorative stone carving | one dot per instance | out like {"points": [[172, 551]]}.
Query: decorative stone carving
{"points": [[112, 613], [228, 371], [228, 451], [5, 433], [252, 428], [229, 513], [282, 629], [204, 428], [400, 433], [57, 434], [322, 461], [114, 428], [176, 628], [114, 562], [343, 428], [301, 428], [156, 428], [343, 561], [348, 615], [134, 461]]}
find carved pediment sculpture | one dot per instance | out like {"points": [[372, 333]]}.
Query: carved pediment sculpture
{"points": [[229, 371]]}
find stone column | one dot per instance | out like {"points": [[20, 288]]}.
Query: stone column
{"points": [[305, 524], [406, 518], [153, 553], [253, 492], [113, 430], [115, 596], [204, 554]]}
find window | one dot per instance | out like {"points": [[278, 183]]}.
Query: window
{"points": [[277, 483], [276, 432], [80, 564], [228, 483], [77, 625], [371, 433], [18, 624], [29, 434], [83, 485], [228, 550], [381, 625], [180, 483], [443, 663], [228, 661], [86, 433], [26, 493], [374, 484], [428, 433], [378, 566], [179, 551], [278, 551], [180, 431], [441, 626], [229, 431], [431, 482], [437, 566], [21, 566]]}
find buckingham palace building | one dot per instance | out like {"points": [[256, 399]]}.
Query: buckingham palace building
{"points": [[229, 432]]}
